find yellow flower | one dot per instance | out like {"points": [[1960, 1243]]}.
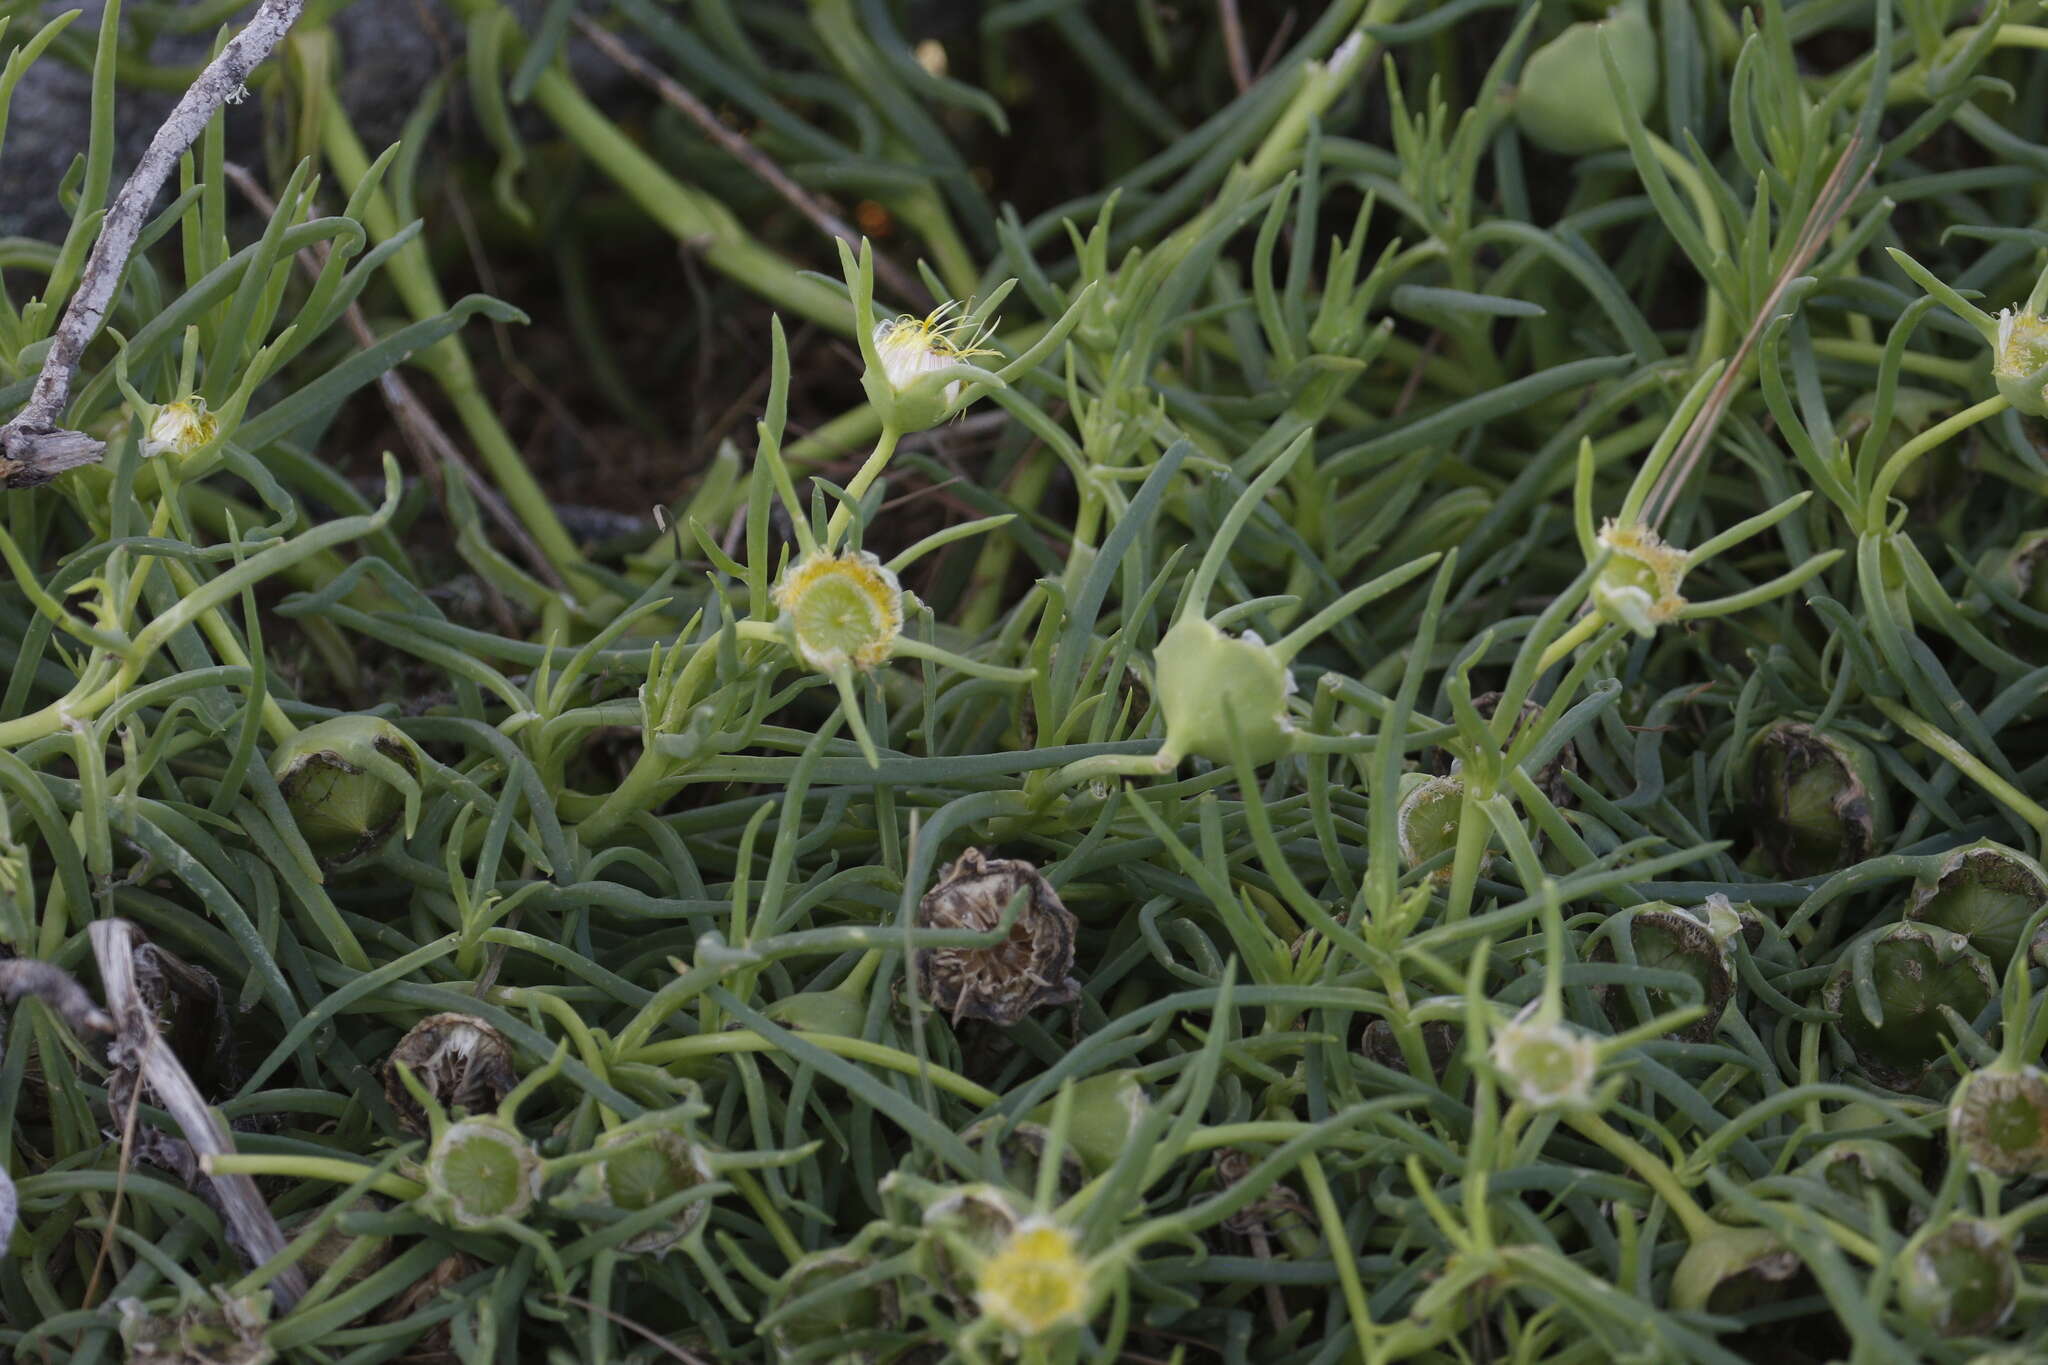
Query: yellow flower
{"points": [[1639, 585], [181, 428], [841, 609], [1036, 1281], [912, 347]]}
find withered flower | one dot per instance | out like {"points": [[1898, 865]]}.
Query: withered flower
{"points": [[1025, 971], [462, 1061]]}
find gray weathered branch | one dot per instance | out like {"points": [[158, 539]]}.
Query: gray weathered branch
{"points": [[33, 450]]}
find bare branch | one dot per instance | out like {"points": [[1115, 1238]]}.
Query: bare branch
{"points": [[32, 448], [141, 1056]]}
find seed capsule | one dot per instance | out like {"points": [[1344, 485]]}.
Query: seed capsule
{"points": [[1028, 970], [1565, 102], [347, 781], [1914, 968], [841, 610], [1104, 1110], [1427, 822], [481, 1173], [1733, 1270], [1439, 1040], [644, 1166], [1816, 798], [463, 1062], [1668, 939], [1998, 1118], [833, 1317], [1986, 892], [1959, 1276], [964, 1225]]}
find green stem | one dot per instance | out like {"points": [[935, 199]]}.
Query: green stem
{"points": [[1699, 1225], [310, 1168], [699, 1045], [877, 461], [1713, 336]]}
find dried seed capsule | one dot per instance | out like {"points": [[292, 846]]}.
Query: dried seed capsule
{"points": [[1732, 1270], [1986, 892], [1913, 969], [1817, 799], [209, 1325], [1668, 939], [1959, 1276], [1026, 971], [1208, 681], [464, 1063], [1565, 102], [841, 1305], [1104, 1110], [347, 781], [1998, 1119]]}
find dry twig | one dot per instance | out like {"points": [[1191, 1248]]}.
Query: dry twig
{"points": [[752, 157], [33, 450]]}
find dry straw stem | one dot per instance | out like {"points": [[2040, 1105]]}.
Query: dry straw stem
{"points": [[1834, 199], [141, 1054], [32, 448]]}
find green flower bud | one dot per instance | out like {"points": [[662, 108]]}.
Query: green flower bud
{"points": [[206, 1327], [1565, 102], [1817, 799], [1426, 822], [1986, 892], [1959, 1277], [1911, 970], [2019, 360], [1998, 1119], [1207, 680], [823, 1301], [1668, 939], [1733, 1270], [1854, 1167], [347, 780], [1105, 1109], [842, 1016]]}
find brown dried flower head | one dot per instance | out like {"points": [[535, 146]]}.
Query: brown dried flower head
{"points": [[462, 1061], [1028, 969]]}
